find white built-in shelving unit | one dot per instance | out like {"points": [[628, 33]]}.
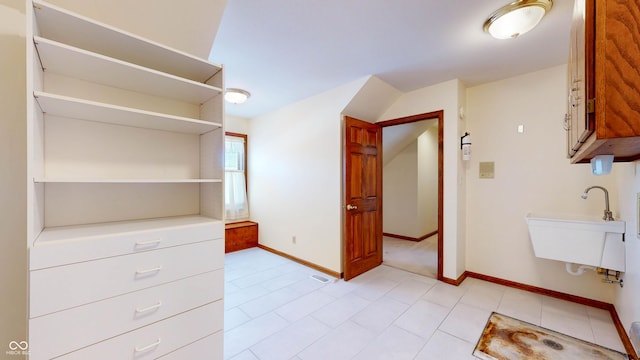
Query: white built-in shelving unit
{"points": [[126, 234]]}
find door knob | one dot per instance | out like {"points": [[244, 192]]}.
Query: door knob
{"points": [[351, 207]]}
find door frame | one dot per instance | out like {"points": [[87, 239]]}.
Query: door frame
{"points": [[434, 115]]}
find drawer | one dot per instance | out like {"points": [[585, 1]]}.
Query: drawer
{"points": [[155, 340], [63, 287], [71, 244], [209, 348], [89, 324]]}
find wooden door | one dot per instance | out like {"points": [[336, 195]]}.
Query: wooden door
{"points": [[363, 197]]}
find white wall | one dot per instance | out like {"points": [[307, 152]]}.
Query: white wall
{"points": [[427, 207], [295, 176], [236, 124], [400, 193], [626, 298], [13, 175], [410, 188], [448, 96], [531, 174]]}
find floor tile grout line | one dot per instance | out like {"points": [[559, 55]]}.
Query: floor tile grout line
{"points": [[398, 281]]}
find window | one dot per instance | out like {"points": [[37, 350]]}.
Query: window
{"points": [[236, 200], [235, 177]]}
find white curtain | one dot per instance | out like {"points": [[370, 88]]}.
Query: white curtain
{"points": [[235, 187]]}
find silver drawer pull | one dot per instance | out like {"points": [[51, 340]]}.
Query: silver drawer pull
{"points": [[149, 308], [148, 242], [146, 271], [145, 348]]}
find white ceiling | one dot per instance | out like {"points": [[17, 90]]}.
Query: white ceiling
{"points": [[282, 51]]}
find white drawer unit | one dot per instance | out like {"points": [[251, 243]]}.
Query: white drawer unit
{"points": [[153, 341], [125, 225], [62, 287], [120, 314]]}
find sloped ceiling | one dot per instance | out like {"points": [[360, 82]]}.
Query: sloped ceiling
{"points": [[186, 25], [396, 138], [372, 100]]}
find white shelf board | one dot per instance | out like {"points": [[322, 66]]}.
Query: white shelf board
{"points": [[75, 108], [76, 30], [125, 181], [51, 235], [81, 64]]}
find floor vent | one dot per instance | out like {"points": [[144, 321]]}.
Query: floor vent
{"points": [[322, 279]]}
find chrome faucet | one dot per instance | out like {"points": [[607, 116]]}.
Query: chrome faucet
{"points": [[608, 216]]}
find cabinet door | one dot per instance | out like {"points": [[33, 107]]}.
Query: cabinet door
{"points": [[580, 77]]}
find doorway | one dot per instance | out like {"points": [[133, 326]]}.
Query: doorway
{"points": [[410, 196]]}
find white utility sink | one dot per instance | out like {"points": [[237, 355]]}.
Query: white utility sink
{"points": [[578, 239]]}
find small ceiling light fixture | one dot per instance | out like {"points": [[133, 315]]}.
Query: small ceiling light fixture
{"points": [[236, 96], [516, 18]]}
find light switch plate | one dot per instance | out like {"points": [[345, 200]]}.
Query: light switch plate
{"points": [[487, 170]]}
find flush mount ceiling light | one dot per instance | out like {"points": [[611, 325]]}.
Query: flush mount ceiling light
{"points": [[516, 18], [236, 96]]}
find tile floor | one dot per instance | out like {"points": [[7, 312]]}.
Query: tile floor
{"points": [[420, 257], [275, 310]]}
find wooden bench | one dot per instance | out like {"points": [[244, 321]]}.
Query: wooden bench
{"points": [[240, 235]]}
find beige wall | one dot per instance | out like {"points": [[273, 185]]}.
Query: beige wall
{"points": [[532, 174], [410, 188], [295, 177], [236, 124], [13, 175], [428, 181], [626, 298], [400, 193]]}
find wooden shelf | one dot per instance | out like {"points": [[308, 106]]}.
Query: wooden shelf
{"points": [[76, 30], [75, 108], [125, 181], [77, 63]]}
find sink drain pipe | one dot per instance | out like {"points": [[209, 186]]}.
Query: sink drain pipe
{"points": [[600, 271], [579, 271]]}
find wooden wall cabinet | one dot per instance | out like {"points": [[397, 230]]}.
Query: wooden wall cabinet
{"points": [[603, 116], [125, 194]]}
